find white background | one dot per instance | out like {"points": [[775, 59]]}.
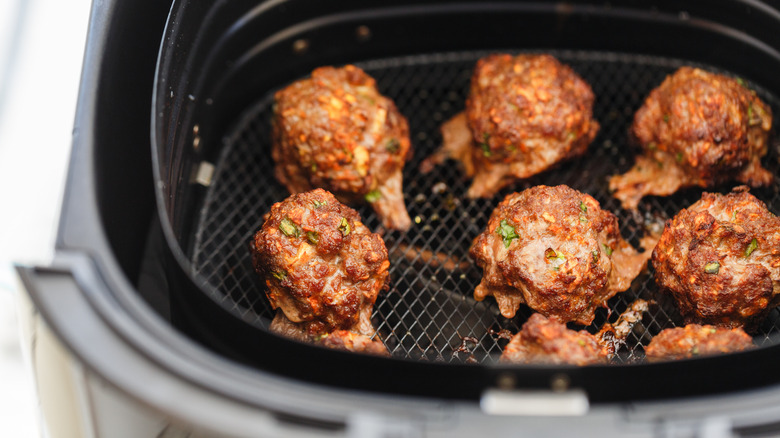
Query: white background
{"points": [[41, 51]]}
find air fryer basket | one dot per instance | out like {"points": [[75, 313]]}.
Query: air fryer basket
{"points": [[211, 116], [429, 312]]}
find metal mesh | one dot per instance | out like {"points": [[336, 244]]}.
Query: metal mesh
{"points": [[429, 313]]}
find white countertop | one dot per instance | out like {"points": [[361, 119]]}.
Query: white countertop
{"points": [[41, 51]]}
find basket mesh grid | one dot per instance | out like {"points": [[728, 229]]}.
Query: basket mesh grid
{"points": [[429, 312]]}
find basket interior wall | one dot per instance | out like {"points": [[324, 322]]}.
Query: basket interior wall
{"points": [[429, 312]]}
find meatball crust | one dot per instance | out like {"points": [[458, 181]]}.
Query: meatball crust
{"points": [[322, 267], [545, 340], [349, 341], [335, 131], [696, 340], [697, 129], [719, 260], [556, 250], [524, 114]]}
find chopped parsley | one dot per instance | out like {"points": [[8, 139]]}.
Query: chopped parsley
{"points": [[373, 196], [507, 232], [554, 257], [313, 237], [317, 203], [344, 227], [666, 118], [740, 81], [596, 255], [712, 267], [279, 275], [393, 145], [752, 246], [679, 157], [484, 145], [607, 249], [289, 228], [583, 207]]}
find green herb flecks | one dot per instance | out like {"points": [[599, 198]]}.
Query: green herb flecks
{"points": [[752, 246], [652, 146], [596, 255], [313, 237], [679, 157], [392, 145], [344, 227], [583, 207], [712, 267], [484, 145], [754, 116], [666, 118], [289, 228], [507, 232], [740, 81], [279, 275], [607, 249], [554, 257], [373, 196], [317, 203]]}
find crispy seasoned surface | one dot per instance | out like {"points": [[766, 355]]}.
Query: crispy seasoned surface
{"points": [[350, 341], [556, 250], [524, 114], [696, 340], [545, 340], [720, 260], [696, 129], [335, 131], [322, 268]]}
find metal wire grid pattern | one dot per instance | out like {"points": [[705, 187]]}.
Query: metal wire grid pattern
{"points": [[429, 313]]}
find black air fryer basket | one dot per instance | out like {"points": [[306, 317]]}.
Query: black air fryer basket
{"points": [[219, 68], [173, 278]]}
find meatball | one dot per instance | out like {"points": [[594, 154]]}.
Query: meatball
{"points": [[335, 131], [556, 250], [322, 267], [696, 340], [696, 129], [523, 115], [719, 260], [547, 340]]}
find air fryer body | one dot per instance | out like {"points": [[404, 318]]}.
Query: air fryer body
{"points": [[126, 331]]}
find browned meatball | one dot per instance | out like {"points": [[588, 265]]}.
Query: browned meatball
{"points": [[696, 340], [335, 131], [322, 267], [543, 340], [547, 340], [720, 260], [556, 250], [523, 115], [696, 129]]}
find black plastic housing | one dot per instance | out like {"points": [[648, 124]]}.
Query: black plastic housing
{"points": [[215, 58]]}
